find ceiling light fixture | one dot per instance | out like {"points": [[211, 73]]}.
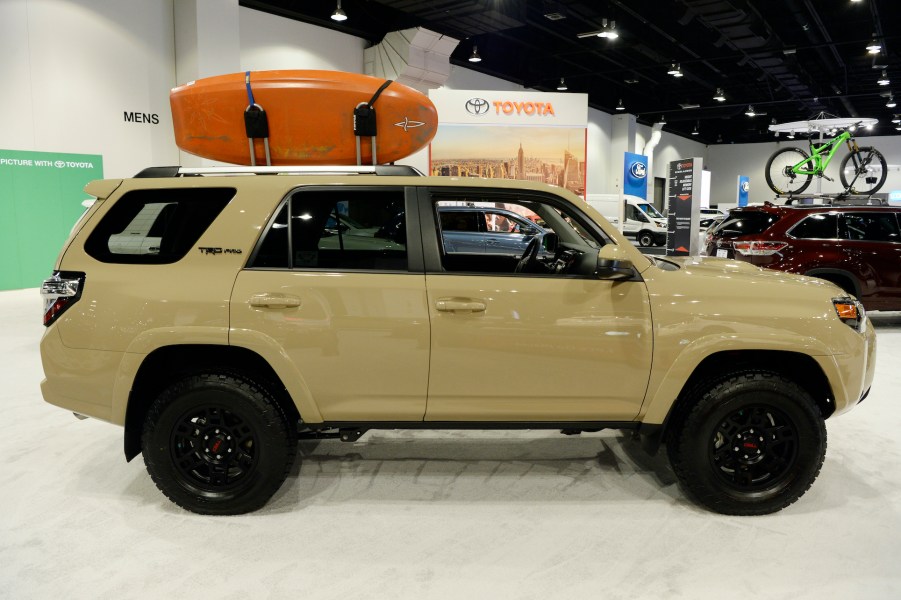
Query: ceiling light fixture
{"points": [[750, 112], [561, 87], [620, 105], [791, 135], [339, 14], [891, 101], [719, 139], [874, 47], [719, 96], [608, 31], [896, 118], [662, 120], [474, 57], [695, 130], [884, 80], [675, 70]]}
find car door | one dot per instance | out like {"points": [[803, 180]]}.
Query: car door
{"points": [[871, 243], [346, 317], [530, 346]]}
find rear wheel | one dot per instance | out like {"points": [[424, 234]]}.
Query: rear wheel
{"points": [[645, 239], [779, 174], [863, 172], [217, 444], [752, 444]]}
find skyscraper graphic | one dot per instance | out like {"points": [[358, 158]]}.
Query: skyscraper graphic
{"points": [[520, 164]]}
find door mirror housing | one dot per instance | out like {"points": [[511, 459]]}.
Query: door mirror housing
{"points": [[613, 263]]}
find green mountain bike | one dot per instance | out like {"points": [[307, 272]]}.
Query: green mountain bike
{"points": [[863, 170]]}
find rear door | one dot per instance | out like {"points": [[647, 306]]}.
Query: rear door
{"points": [[346, 312], [871, 243]]}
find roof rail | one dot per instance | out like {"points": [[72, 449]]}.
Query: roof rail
{"points": [[839, 199], [383, 170]]}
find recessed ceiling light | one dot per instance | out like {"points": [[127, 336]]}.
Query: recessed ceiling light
{"points": [[719, 96], [339, 14], [474, 57]]}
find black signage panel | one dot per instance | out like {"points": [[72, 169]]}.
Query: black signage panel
{"points": [[680, 196]]}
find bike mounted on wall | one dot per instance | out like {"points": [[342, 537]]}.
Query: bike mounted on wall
{"points": [[863, 170]]}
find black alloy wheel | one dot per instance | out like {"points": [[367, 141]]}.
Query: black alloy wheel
{"points": [[751, 443], [217, 444]]}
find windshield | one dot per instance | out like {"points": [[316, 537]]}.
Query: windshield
{"points": [[649, 210]]}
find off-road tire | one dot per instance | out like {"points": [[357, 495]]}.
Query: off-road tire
{"points": [[750, 444], [217, 444]]}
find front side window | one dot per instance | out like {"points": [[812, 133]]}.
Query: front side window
{"points": [[870, 227], [539, 237], [337, 230], [634, 213], [157, 226], [821, 226]]}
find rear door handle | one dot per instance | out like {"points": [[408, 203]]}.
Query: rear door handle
{"points": [[274, 301], [460, 305]]}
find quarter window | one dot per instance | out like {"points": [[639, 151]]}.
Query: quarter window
{"points": [[156, 226], [816, 227]]}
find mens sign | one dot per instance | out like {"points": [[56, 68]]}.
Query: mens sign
{"points": [[510, 108]]}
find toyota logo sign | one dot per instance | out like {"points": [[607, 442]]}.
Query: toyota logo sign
{"points": [[477, 106]]}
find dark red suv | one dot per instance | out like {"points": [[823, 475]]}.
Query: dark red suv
{"points": [[855, 247]]}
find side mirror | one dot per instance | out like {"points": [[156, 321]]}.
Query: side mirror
{"points": [[549, 242], [613, 263]]}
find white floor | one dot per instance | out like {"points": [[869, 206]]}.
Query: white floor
{"points": [[435, 515]]}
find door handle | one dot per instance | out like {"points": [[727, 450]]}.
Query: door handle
{"points": [[274, 301], [460, 305]]}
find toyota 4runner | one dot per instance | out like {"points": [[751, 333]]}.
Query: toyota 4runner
{"points": [[220, 315]]}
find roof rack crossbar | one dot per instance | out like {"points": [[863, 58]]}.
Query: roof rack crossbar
{"points": [[383, 170]]}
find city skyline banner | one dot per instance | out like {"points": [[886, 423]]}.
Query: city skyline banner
{"points": [[532, 136]]}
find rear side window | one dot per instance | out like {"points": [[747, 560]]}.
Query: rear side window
{"points": [[460, 220], [337, 230], [870, 227], [816, 227], [746, 223], [156, 226]]}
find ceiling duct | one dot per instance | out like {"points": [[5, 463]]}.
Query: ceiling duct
{"points": [[416, 57]]}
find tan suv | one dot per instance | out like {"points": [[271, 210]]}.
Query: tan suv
{"points": [[221, 315]]}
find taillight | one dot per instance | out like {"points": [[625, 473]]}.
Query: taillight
{"points": [[758, 248], [60, 292]]}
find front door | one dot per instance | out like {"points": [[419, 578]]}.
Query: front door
{"points": [[540, 341]]}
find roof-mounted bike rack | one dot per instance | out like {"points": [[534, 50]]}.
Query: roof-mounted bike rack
{"points": [[837, 199]]}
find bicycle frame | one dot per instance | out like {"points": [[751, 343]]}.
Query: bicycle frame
{"points": [[817, 158]]}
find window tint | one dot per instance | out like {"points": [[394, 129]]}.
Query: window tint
{"points": [[156, 226], [339, 230], [870, 227], [745, 223], [816, 227]]}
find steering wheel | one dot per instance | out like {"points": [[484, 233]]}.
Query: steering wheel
{"points": [[528, 257]]}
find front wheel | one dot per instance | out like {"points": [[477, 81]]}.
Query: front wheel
{"points": [[780, 176], [864, 171], [751, 445], [217, 444]]}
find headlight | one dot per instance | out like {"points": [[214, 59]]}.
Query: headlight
{"points": [[851, 312]]}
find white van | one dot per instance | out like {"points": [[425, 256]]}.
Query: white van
{"points": [[640, 219]]}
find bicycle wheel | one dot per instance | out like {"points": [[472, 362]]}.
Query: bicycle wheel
{"points": [[866, 174], [779, 175]]}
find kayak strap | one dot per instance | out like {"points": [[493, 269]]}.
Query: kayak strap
{"points": [[256, 124], [365, 124]]}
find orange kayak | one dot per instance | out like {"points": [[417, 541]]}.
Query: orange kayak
{"points": [[310, 117]]}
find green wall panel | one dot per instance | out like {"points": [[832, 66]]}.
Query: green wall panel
{"points": [[40, 200]]}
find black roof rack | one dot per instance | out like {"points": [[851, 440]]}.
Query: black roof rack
{"points": [[382, 170], [839, 199]]}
